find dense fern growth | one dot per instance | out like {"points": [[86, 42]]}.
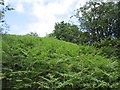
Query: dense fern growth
{"points": [[34, 63]]}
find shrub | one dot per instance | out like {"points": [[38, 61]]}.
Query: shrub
{"points": [[46, 63]]}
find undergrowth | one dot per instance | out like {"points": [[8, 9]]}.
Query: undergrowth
{"points": [[30, 62]]}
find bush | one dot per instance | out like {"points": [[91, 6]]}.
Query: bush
{"points": [[46, 63]]}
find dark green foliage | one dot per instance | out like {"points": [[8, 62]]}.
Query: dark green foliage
{"points": [[100, 19], [3, 9], [66, 31], [110, 47], [49, 64], [32, 34], [70, 33]]}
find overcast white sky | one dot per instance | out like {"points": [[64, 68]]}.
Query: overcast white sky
{"points": [[39, 15]]}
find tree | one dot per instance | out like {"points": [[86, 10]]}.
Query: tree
{"points": [[66, 31], [70, 33], [33, 34], [100, 19], [118, 21], [4, 8]]}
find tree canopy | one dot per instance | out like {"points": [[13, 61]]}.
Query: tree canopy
{"points": [[4, 8], [70, 33], [101, 19], [66, 31], [98, 21]]}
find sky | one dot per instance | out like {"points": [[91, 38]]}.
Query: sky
{"points": [[39, 16]]}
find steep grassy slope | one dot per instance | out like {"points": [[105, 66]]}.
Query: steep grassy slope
{"points": [[45, 63]]}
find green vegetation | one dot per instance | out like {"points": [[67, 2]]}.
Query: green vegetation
{"points": [[70, 33], [71, 58], [100, 19], [34, 63], [3, 9]]}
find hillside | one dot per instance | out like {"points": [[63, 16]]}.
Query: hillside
{"points": [[46, 63]]}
